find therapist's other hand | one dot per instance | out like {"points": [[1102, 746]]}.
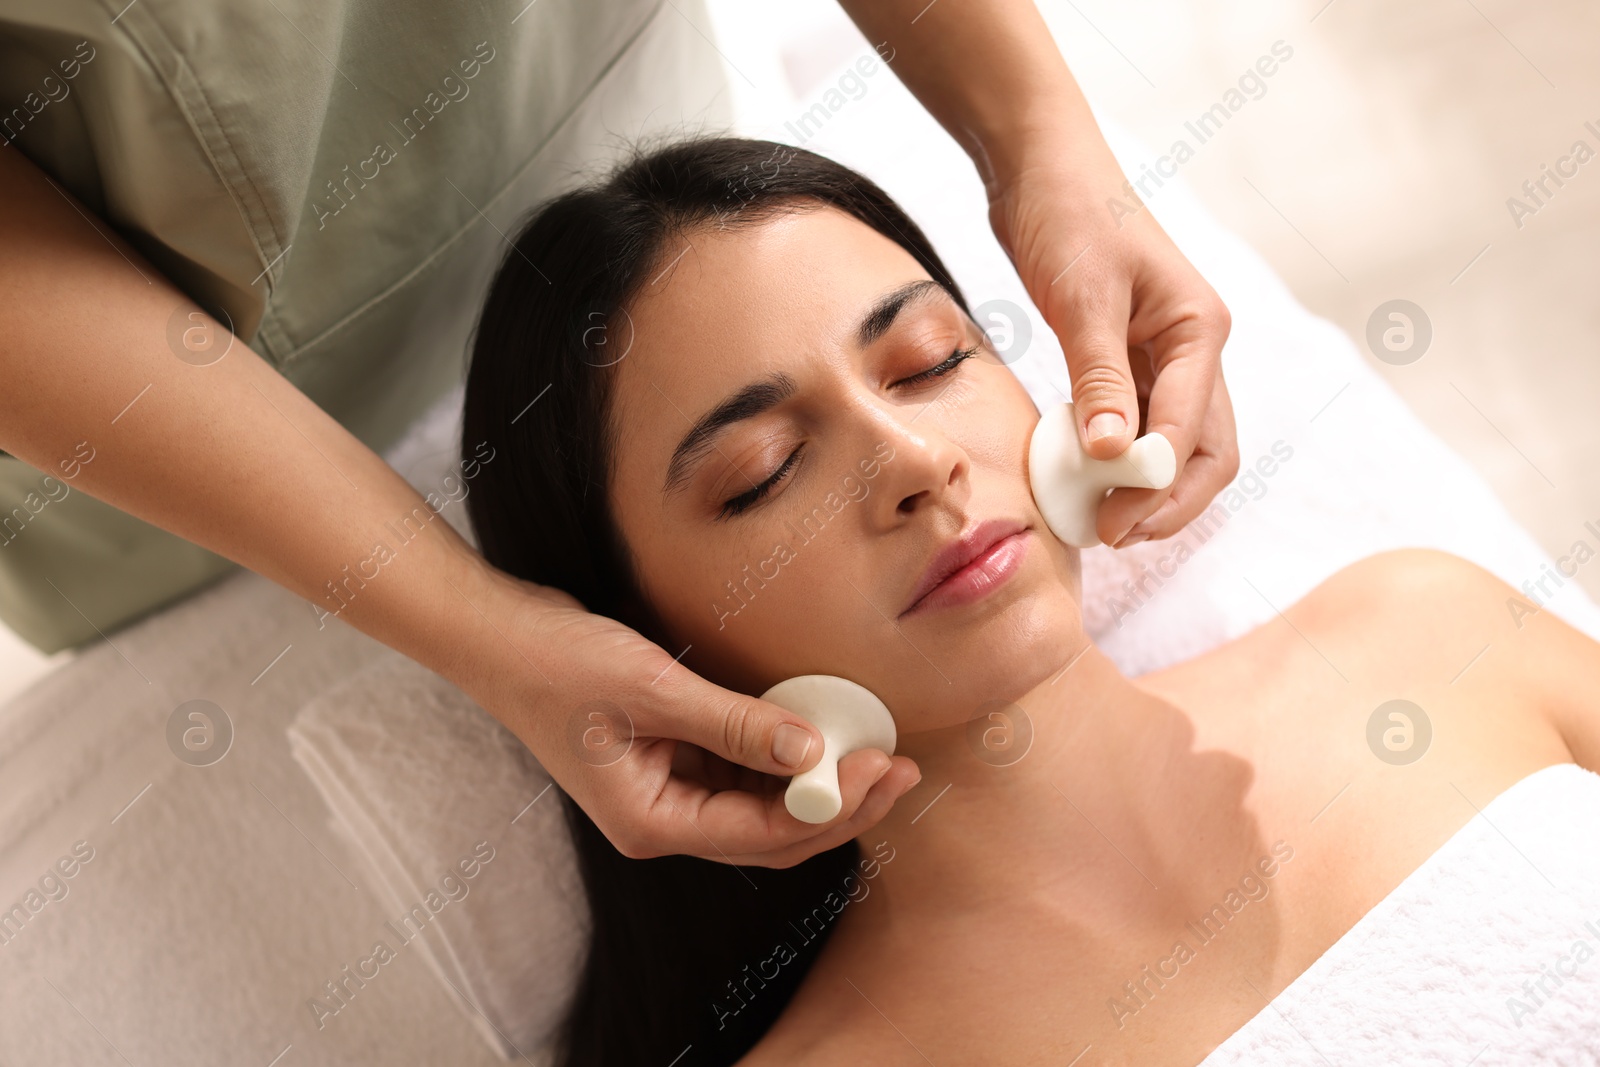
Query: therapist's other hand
{"points": [[1138, 324], [664, 761]]}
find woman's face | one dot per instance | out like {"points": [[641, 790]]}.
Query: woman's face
{"points": [[803, 338]]}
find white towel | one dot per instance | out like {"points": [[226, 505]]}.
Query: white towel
{"points": [[1454, 966], [418, 775]]}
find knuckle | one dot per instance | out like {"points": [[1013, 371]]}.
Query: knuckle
{"points": [[1083, 294], [782, 861], [643, 851], [624, 844], [1100, 378], [1216, 314], [738, 727], [1228, 460], [631, 845]]}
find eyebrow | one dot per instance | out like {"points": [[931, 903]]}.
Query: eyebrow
{"points": [[768, 392]]}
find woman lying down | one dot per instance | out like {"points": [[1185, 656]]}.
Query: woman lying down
{"points": [[1146, 862]]}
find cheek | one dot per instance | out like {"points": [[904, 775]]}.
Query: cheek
{"points": [[786, 593], [995, 444], [726, 589], [992, 420], [786, 600], [990, 414]]}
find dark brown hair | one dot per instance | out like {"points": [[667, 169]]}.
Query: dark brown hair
{"points": [[674, 938]]}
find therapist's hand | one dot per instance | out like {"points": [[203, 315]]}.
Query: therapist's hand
{"points": [[1135, 319], [662, 760], [1138, 324]]}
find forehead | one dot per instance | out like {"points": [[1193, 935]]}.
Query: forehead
{"points": [[726, 306], [813, 268]]}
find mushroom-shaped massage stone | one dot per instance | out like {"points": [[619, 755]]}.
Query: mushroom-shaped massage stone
{"points": [[1068, 484], [849, 717]]}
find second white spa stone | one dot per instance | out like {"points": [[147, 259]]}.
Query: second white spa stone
{"points": [[849, 717], [1068, 484]]}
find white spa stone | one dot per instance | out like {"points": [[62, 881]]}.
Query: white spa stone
{"points": [[849, 717], [1068, 485]]}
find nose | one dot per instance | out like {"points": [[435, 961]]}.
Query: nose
{"points": [[924, 468]]}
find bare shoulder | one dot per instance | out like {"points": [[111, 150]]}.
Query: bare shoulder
{"points": [[1433, 586], [801, 1039], [1392, 610], [1422, 608], [830, 1020], [1408, 619], [1419, 599], [1406, 580], [1423, 598], [782, 1053]]}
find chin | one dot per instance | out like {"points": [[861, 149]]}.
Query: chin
{"points": [[988, 674]]}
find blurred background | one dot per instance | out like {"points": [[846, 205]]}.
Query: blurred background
{"points": [[1376, 164]]}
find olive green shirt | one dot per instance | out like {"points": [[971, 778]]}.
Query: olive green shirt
{"points": [[333, 178]]}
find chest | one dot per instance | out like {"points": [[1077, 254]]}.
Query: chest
{"points": [[1265, 887], [1354, 788]]}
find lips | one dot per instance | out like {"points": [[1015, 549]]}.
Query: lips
{"points": [[959, 553]]}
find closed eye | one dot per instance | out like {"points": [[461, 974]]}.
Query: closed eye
{"points": [[751, 497], [747, 500], [950, 364]]}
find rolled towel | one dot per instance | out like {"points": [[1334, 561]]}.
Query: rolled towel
{"points": [[426, 785]]}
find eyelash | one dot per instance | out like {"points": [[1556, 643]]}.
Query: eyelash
{"points": [[748, 499], [950, 364]]}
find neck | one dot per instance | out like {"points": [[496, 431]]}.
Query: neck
{"points": [[1096, 812]]}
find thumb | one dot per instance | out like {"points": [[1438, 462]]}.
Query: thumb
{"points": [[1103, 394], [740, 728]]}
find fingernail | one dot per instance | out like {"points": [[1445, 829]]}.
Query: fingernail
{"points": [[790, 744], [1131, 539], [1106, 424]]}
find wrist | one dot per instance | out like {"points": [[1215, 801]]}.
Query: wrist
{"points": [[434, 605], [1057, 134], [493, 617], [477, 596]]}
